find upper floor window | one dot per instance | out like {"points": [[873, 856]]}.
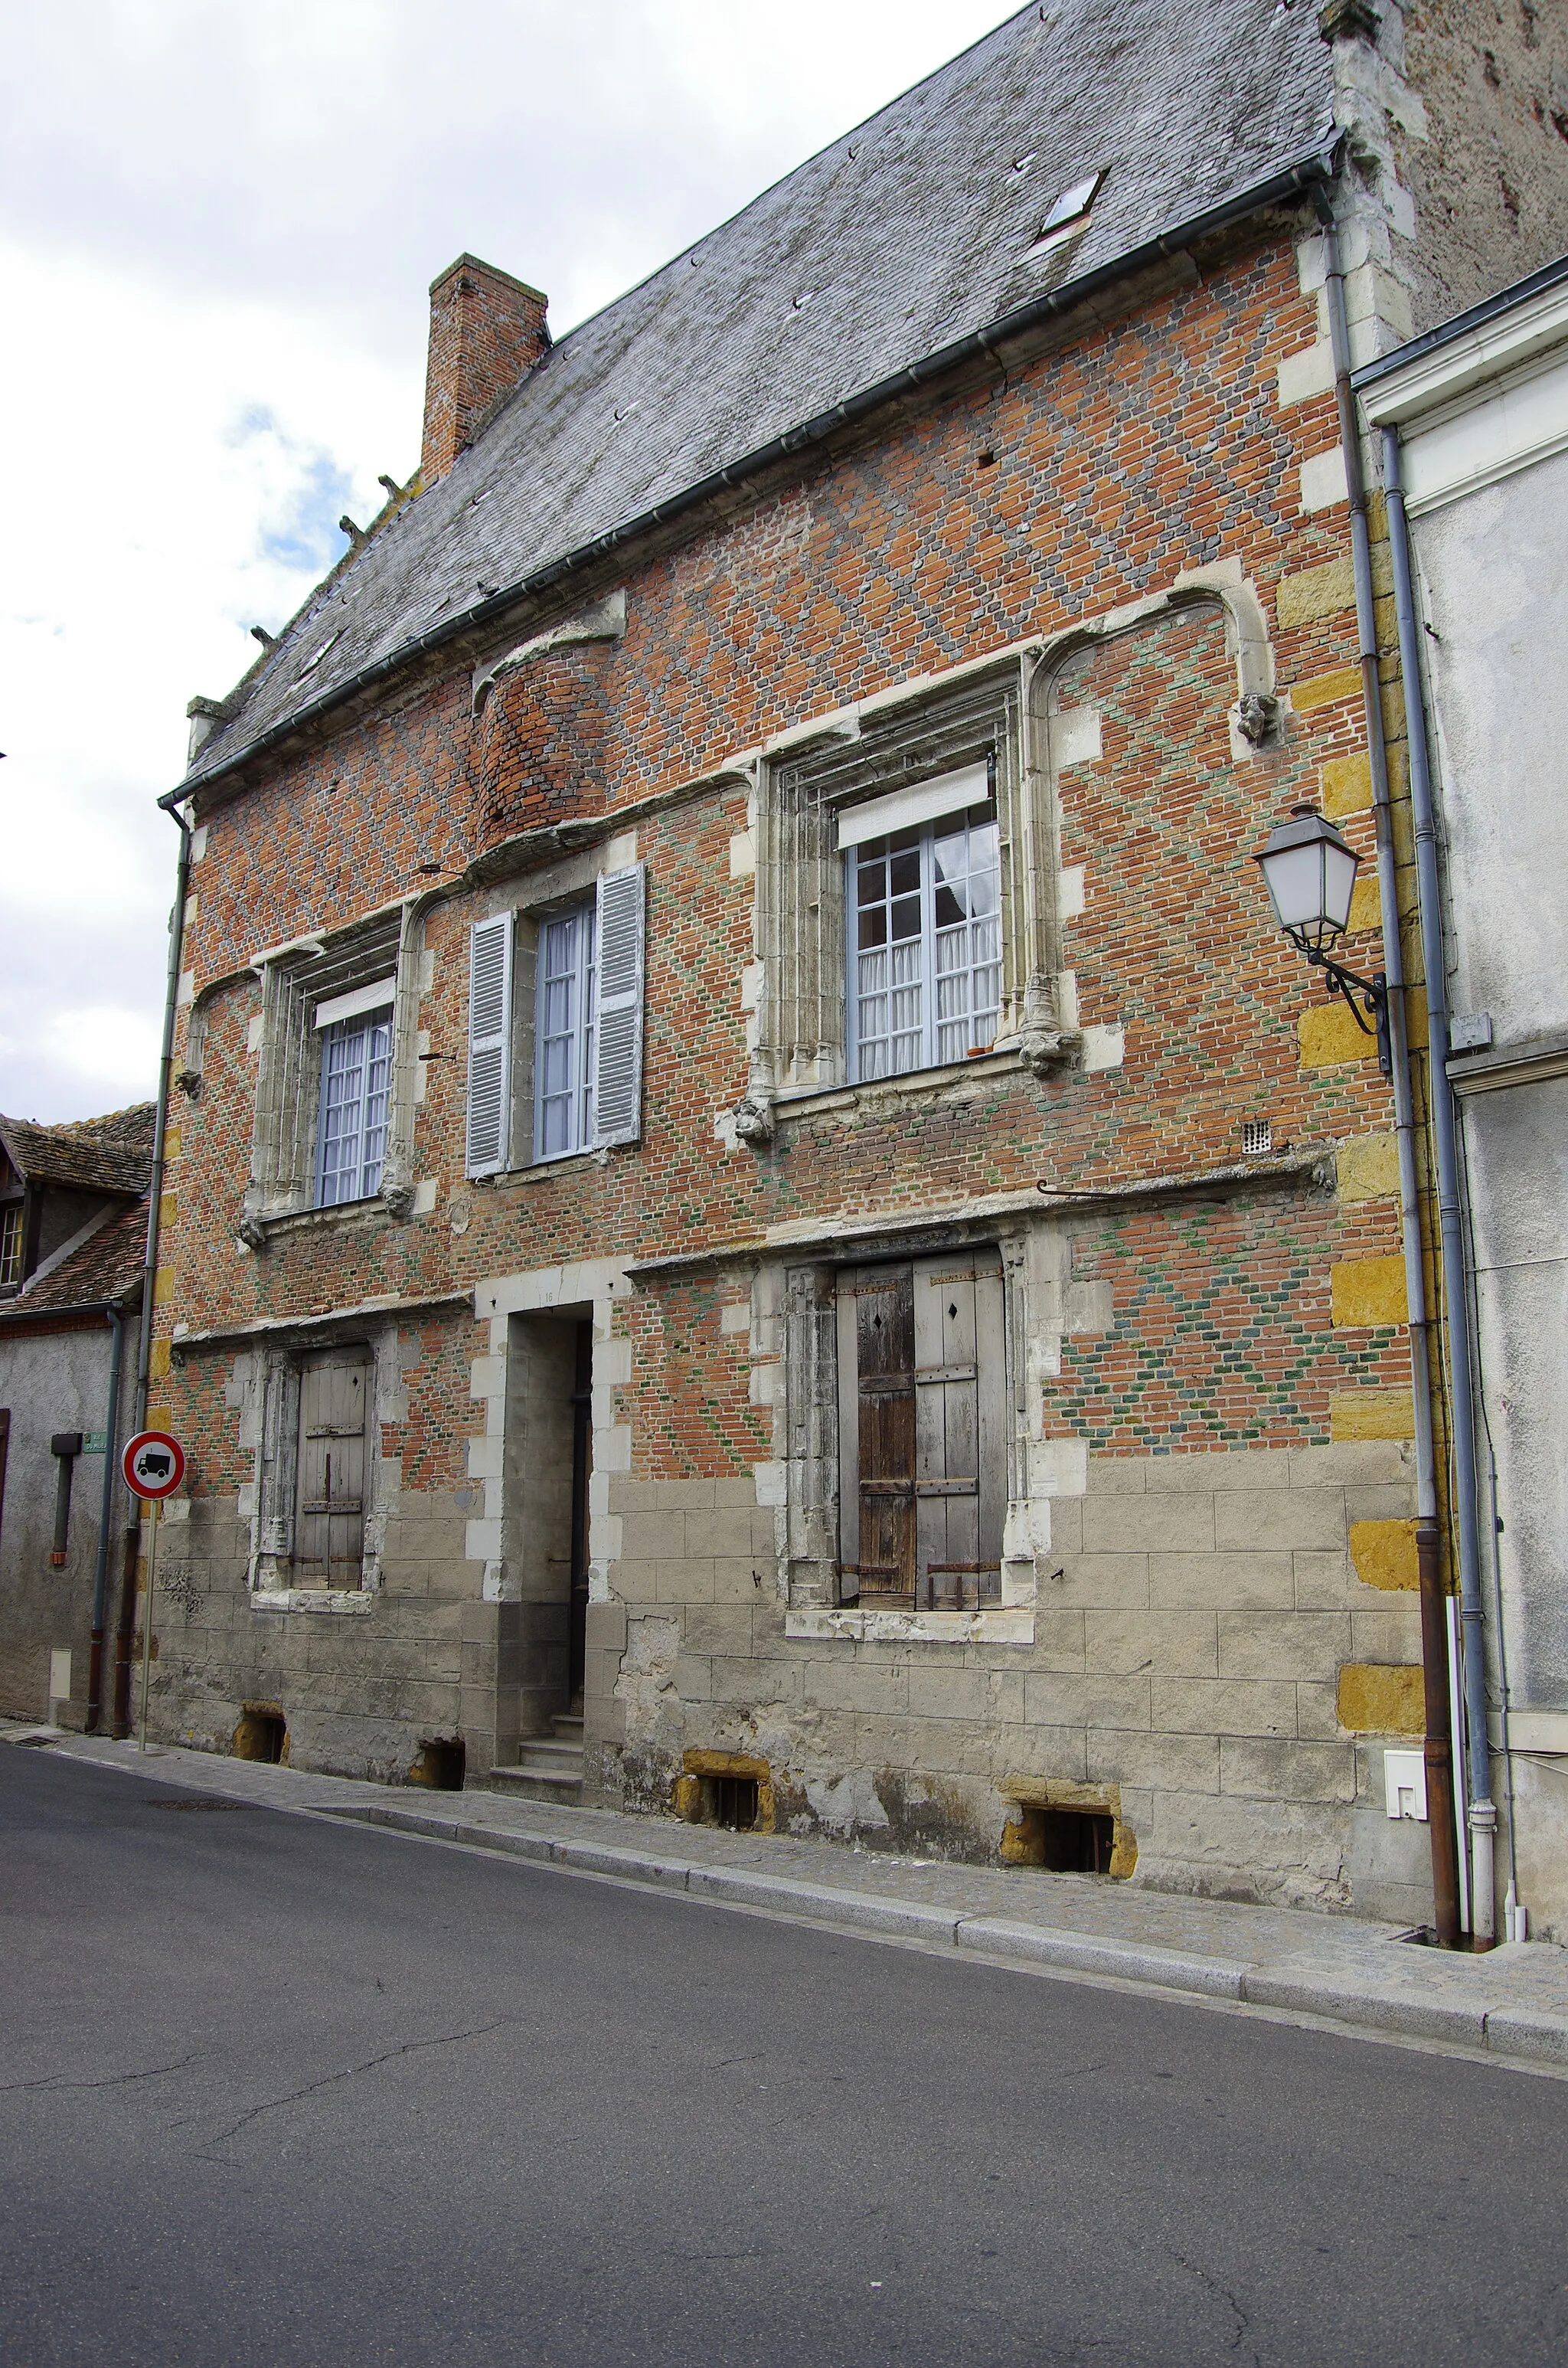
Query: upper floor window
{"points": [[924, 943], [555, 1028], [335, 1105], [356, 1094], [565, 1012], [10, 1245]]}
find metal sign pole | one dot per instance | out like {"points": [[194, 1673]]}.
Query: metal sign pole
{"points": [[147, 1620]]}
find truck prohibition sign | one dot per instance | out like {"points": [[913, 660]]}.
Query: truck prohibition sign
{"points": [[153, 1463]]}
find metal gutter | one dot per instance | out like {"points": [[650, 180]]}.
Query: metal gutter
{"points": [[1311, 172], [1552, 275]]}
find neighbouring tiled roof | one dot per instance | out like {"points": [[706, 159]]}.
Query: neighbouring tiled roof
{"points": [[93, 1155], [890, 246], [108, 1266]]}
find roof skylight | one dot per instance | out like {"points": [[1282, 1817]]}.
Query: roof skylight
{"points": [[1069, 211]]}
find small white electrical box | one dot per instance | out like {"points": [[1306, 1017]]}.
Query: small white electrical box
{"points": [[1404, 1784]]}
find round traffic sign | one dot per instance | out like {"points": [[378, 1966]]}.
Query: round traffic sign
{"points": [[153, 1463]]}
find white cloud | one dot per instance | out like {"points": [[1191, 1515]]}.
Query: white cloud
{"points": [[217, 226]]}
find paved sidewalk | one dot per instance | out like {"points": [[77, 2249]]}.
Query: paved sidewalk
{"points": [[1512, 2003]]}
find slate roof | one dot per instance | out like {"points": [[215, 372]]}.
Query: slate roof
{"points": [[93, 1155], [892, 246], [108, 1266]]}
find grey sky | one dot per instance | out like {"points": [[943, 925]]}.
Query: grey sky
{"points": [[217, 227]]}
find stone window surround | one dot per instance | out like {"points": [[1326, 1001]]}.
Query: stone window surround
{"points": [[533, 897], [295, 977], [794, 990], [794, 1351], [266, 1389]]}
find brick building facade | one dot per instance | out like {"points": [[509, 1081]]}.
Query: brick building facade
{"points": [[753, 1168]]}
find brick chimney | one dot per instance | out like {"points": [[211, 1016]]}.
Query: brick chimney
{"points": [[486, 331]]}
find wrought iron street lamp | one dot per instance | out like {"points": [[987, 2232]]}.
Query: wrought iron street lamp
{"points": [[1309, 872]]}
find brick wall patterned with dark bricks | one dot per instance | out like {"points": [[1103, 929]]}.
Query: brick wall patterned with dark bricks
{"points": [[1152, 444], [541, 752], [687, 1401], [1222, 1334]]}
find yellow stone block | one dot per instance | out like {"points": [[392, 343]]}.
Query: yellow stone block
{"points": [[158, 1361], [168, 1209], [1345, 784], [160, 1417], [1369, 1167], [1379, 1698], [171, 1143], [1316, 592], [1368, 1290], [164, 1283], [1384, 1554], [1330, 1038], [1372, 1414], [1365, 906], [1327, 689]]}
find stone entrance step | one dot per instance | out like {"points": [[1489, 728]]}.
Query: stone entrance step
{"points": [[550, 1766]]}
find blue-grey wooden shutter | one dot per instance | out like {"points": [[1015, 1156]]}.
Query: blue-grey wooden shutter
{"points": [[618, 1051], [489, 1045]]}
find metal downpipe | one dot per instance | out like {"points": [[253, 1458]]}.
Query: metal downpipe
{"points": [[1482, 1811], [1437, 1748], [126, 1628], [106, 1509]]}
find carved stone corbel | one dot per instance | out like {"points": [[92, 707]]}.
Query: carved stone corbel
{"points": [[755, 1120], [1258, 718], [1043, 1042]]}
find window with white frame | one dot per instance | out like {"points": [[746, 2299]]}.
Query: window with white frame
{"points": [[923, 939], [10, 1245], [567, 1077], [356, 1093], [931, 811], [565, 1013], [334, 1108]]}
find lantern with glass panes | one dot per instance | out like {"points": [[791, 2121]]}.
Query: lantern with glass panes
{"points": [[1309, 872]]}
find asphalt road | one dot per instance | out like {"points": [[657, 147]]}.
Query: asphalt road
{"points": [[274, 2090]]}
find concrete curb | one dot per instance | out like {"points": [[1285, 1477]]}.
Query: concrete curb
{"points": [[1484, 2026], [1478, 2013]]}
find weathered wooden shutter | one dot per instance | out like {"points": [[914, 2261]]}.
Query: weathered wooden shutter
{"points": [[922, 1452], [876, 1335], [960, 1466], [617, 1049], [489, 1045], [329, 1532]]}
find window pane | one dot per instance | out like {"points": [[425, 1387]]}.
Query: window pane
{"points": [[904, 1017], [564, 1047]]}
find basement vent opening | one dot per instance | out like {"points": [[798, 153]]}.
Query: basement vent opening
{"points": [[439, 1764], [261, 1734], [1258, 1136], [735, 1802], [1065, 1840], [1077, 1841]]}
